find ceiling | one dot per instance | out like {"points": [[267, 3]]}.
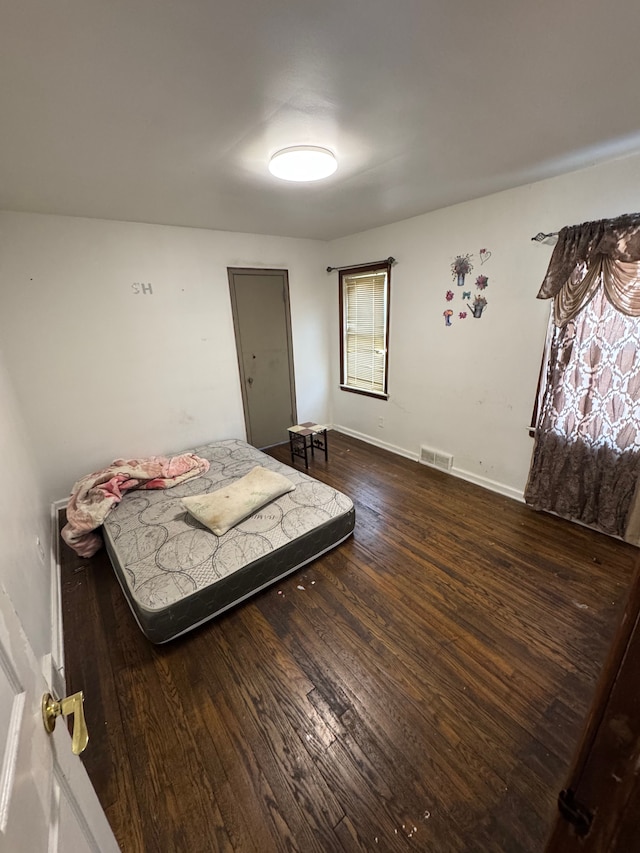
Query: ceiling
{"points": [[167, 111]]}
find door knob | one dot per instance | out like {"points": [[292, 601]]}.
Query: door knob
{"points": [[250, 380], [52, 709]]}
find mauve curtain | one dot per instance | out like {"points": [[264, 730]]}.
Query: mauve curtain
{"points": [[586, 459]]}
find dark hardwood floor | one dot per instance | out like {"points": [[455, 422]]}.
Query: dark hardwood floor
{"points": [[421, 687]]}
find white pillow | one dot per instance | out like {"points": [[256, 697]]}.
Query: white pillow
{"points": [[226, 507]]}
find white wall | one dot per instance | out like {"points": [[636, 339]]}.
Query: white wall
{"points": [[469, 389], [101, 372], [24, 519]]}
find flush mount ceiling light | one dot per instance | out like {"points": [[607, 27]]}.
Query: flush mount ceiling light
{"points": [[303, 163]]}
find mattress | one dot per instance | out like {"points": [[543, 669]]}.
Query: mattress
{"points": [[177, 574]]}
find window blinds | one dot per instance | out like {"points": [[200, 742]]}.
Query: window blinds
{"points": [[365, 330]]}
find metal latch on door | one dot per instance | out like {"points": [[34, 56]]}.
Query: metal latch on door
{"points": [[575, 812], [54, 708]]}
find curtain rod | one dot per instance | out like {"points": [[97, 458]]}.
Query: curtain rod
{"points": [[623, 220], [388, 260]]}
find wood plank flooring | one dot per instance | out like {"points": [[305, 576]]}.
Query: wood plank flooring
{"points": [[421, 687]]}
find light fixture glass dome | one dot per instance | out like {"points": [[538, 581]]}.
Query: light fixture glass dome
{"points": [[303, 163]]}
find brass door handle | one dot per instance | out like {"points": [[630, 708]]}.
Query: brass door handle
{"points": [[52, 709]]}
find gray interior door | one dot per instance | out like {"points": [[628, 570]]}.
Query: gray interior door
{"points": [[260, 303]]}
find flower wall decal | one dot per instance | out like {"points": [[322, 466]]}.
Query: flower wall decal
{"points": [[470, 303], [479, 304], [461, 267]]}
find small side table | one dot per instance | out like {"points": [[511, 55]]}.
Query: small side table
{"points": [[307, 437]]}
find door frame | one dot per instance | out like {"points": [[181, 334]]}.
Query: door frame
{"points": [[238, 271], [600, 801]]}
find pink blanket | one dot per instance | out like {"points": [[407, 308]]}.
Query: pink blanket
{"points": [[94, 496]]}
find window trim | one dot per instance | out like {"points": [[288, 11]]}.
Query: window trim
{"points": [[384, 395], [542, 375]]}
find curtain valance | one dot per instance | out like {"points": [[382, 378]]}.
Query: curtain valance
{"points": [[605, 252]]}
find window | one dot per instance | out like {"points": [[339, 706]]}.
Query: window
{"points": [[586, 458], [544, 364], [364, 323]]}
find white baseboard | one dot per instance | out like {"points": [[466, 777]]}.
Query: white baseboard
{"points": [[477, 479], [487, 483], [400, 451]]}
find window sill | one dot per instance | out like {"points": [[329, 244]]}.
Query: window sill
{"points": [[375, 394]]}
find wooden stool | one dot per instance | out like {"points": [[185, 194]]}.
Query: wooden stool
{"points": [[305, 437]]}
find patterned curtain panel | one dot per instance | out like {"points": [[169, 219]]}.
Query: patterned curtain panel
{"points": [[586, 459]]}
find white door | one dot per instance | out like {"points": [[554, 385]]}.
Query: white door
{"points": [[47, 803]]}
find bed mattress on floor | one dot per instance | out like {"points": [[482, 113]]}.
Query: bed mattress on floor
{"points": [[177, 574]]}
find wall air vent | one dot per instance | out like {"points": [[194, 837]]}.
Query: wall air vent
{"points": [[435, 458]]}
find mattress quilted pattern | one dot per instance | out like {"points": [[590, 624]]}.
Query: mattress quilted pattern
{"points": [[165, 555]]}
